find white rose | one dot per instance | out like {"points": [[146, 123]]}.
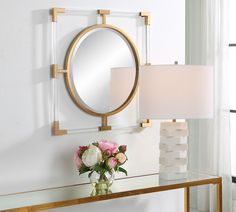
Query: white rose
{"points": [[91, 156]]}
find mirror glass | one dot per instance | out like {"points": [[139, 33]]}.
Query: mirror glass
{"points": [[101, 52]]}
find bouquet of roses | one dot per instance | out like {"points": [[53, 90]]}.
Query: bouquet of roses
{"points": [[101, 157]]}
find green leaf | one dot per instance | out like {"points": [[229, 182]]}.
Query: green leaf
{"points": [[99, 169], [84, 169], [110, 171], [123, 170]]}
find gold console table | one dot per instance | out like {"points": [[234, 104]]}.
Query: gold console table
{"points": [[81, 193]]}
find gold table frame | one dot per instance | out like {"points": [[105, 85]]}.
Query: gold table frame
{"points": [[168, 185]]}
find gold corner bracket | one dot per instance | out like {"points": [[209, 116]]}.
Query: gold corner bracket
{"points": [[56, 129], [147, 17], [103, 13], [147, 123], [55, 11], [55, 71], [104, 126]]}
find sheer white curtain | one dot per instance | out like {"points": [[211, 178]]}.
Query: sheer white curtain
{"points": [[209, 140]]}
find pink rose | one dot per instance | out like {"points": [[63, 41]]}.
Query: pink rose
{"points": [[78, 162], [121, 157], [81, 150], [108, 147], [111, 162]]}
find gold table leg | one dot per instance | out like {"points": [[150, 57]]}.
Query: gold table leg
{"points": [[186, 200], [219, 197]]}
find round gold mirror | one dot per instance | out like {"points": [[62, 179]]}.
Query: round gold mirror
{"points": [[93, 56]]}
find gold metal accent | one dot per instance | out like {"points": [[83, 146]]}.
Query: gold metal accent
{"points": [[147, 17], [55, 71], [69, 82], [186, 200], [55, 11], [27, 209], [217, 181], [219, 197], [56, 129], [104, 126], [147, 123], [104, 13]]}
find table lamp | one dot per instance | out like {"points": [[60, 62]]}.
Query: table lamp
{"points": [[175, 92]]}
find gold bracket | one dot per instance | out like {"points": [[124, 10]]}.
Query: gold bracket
{"points": [[55, 11], [104, 13], [147, 17], [104, 126], [56, 129], [55, 71], [147, 123]]}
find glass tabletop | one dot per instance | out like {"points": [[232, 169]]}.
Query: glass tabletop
{"points": [[120, 188]]}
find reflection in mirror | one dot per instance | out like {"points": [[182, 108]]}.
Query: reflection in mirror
{"points": [[98, 53]]}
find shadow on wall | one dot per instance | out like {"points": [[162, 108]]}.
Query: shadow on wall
{"points": [[41, 60], [29, 165], [44, 161]]}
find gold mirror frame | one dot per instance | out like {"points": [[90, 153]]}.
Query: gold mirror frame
{"points": [[69, 83]]}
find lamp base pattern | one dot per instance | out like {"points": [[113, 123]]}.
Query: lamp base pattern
{"points": [[173, 150]]}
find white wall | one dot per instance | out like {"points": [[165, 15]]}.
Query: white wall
{"points": [[30, 158]]}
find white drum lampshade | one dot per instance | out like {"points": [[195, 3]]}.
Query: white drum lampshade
{"points": [[175, 92], [122, 82]]}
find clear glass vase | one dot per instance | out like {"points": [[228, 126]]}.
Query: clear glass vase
{"points": [[101, 183]]}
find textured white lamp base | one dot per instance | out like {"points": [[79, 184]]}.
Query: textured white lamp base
{"points": [[173, 150]]}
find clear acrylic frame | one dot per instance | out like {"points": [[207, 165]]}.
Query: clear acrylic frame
{"points": [[143, 26]]}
